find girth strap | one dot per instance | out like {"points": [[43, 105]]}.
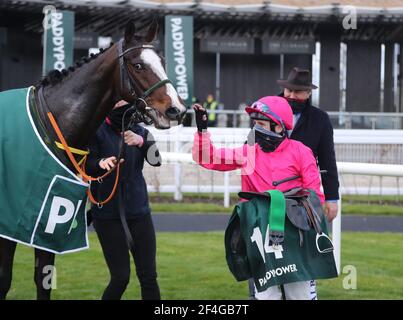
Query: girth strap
{"points": [[276, 216]]}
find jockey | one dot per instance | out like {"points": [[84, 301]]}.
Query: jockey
{"points": [[267, 156]]}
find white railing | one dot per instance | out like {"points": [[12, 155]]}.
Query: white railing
{"points": [[238, 135], [341, 120], [367, 146]]}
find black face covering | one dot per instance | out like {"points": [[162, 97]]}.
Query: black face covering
{"points": [[267, 140], [297, 106], [116, 115]]}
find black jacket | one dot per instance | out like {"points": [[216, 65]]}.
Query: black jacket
{"points": [[315, 130], [106, 144]]}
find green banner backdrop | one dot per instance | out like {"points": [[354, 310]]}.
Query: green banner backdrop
{"points": [[179, 54], [58, 40]]}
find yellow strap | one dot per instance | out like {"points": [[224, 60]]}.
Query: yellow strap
{"points": [[75, 151]]}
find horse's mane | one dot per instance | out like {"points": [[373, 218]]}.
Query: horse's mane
{"points": [[56, 76]]}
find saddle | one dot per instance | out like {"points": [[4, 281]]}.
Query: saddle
{"points": [[304, 210]]}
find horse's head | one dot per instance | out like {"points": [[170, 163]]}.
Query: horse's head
{"points": [[144, 80]]}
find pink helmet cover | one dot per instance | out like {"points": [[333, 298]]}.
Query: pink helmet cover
{"points": [[273, 104]]}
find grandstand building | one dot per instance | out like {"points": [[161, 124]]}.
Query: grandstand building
{"points": [[356, 63]]}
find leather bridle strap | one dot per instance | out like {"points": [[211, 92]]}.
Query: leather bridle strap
{"points": [[127, 79], [155, 87]]}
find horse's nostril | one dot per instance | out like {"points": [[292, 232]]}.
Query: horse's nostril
{"points": [[172, 113]]}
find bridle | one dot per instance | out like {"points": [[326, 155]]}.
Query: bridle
{"points": [[140, 105]]}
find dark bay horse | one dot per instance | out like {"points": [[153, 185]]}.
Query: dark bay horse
{"points": [[81, 97]]}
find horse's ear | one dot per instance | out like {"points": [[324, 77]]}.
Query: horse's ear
{"points": [[152, 31], [130, 30]]}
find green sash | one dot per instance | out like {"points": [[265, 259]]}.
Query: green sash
{"points": [[276, 216]]}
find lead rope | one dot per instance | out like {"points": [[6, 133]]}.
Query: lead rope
{"points": [[122, 191], [80, 170]]}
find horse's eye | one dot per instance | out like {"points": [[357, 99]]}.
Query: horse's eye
{"points": [[138, 66]]}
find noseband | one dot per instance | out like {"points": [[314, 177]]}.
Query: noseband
{"points": [[126, 80]]}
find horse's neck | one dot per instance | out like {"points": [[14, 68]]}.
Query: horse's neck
{"points": [[81, 101]]}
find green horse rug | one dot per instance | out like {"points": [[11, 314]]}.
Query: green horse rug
{"points": [[42, 202]]}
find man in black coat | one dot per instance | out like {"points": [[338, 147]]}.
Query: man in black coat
{"points": [[313, 128]]}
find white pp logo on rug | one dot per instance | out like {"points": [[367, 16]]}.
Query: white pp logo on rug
{"points": [[62, 210], [61, 223]]}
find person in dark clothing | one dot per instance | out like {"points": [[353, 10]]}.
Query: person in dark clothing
{"points": [[313, 128], [140, 145]]}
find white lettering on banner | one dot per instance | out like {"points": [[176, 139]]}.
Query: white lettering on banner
{"points": [[178, 37], [54, 217], [58, 40], [179, 57], [181, 70], [278, 272]]}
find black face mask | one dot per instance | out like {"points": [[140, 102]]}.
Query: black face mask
{"points": [[297, 106], [116, 115], [267, 140]]}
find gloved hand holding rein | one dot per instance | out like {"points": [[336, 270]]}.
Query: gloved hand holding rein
{"points": [[116, 116], [201, 117]]}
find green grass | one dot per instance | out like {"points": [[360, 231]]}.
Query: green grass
{"points": [[380, 199], [212, 204], [193, 266], [194, 208], [372, 209]]}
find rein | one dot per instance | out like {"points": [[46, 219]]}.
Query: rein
{"points": [[80, 168]]}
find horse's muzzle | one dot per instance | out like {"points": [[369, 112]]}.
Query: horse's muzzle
{"points": [[173, 113]]}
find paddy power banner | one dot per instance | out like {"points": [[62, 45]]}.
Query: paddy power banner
{"points": [[179, 54], [58, 39]]}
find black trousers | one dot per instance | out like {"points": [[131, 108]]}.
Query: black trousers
{"points": [[116, 252]]}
